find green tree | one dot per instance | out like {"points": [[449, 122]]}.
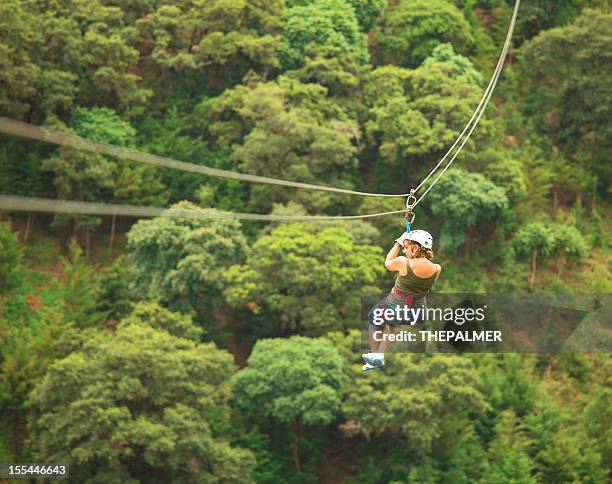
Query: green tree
{"points": [[412, 399], [174, 134], [468, 199], [597, 416], [409, 30], [329, 23], [19, 72], [336, 70], [27, 349], [11, 254], [115, 297], [289, 130], [508, 383], [178, 261], [310, 280], [508, 453], [534, 239], [35, 329], [132, 183], [463, 66], [160, 318], [367, 11], [568, 69], [139, 404], [288, 381], [561, 450], [414, 116], [215, 43], [539, 15], [75, 291], [539, 239], [80, 175], [65, 53]]}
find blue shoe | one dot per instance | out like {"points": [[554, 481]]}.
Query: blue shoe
{"points": [[374, 358], [368, 367]]}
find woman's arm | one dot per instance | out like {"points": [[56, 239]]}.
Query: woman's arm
{"points": [[393, 262]]}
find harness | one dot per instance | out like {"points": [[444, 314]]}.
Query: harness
{"points": [[407, 298]]}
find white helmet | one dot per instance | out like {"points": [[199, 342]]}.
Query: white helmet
{"points": [[422, 237]]}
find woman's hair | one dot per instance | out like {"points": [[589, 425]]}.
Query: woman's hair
{"points": [[418, 251]]}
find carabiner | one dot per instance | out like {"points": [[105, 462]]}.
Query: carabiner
{"points": [[409, 215], [411, 198]]}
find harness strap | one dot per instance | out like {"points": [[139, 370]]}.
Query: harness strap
{"points": [[408, 299]]}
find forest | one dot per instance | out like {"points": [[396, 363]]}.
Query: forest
{"points": [[218, 350]]}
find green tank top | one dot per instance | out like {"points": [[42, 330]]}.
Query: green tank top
{"points": [[413, 285]]}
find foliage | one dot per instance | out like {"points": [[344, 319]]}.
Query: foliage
{"points": [[367, 11], [409, 31], [80, 175], [547, 240], [324, 22], [140, 403], [115, 296], [507, 382], [539, 15], [286, 129], [302, 276], [63, 54], [411, 398], [335, 70], [75, 292], [597, 413], [110, 366], [509, 456], [562, 451], [171, 136], [216, 41], [550, 239], [415, 115], [158, 317], [11, 254], [468, 199], [463, 66], [568, 68], [288, 381], [177, 261]]}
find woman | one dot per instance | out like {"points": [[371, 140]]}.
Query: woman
{"points": [[416, 275]]}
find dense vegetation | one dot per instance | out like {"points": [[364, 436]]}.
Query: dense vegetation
{"points": [[172, 350]]}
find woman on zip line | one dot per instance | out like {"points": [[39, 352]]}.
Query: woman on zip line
{"points": [[416, 276]]}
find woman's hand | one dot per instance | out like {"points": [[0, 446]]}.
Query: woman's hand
{"points": [[393, 262], [401, 239]]}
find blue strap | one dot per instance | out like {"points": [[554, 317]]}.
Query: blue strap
{"points": [[407, 225]]}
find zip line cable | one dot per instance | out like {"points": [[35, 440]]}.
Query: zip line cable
{"points": [[26, 130], [482, 105], [493, 83], [50, 205]]}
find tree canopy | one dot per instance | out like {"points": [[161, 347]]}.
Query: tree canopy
{"points": [[409, 31], [196, 347], [117, 419], [300, 275]]}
